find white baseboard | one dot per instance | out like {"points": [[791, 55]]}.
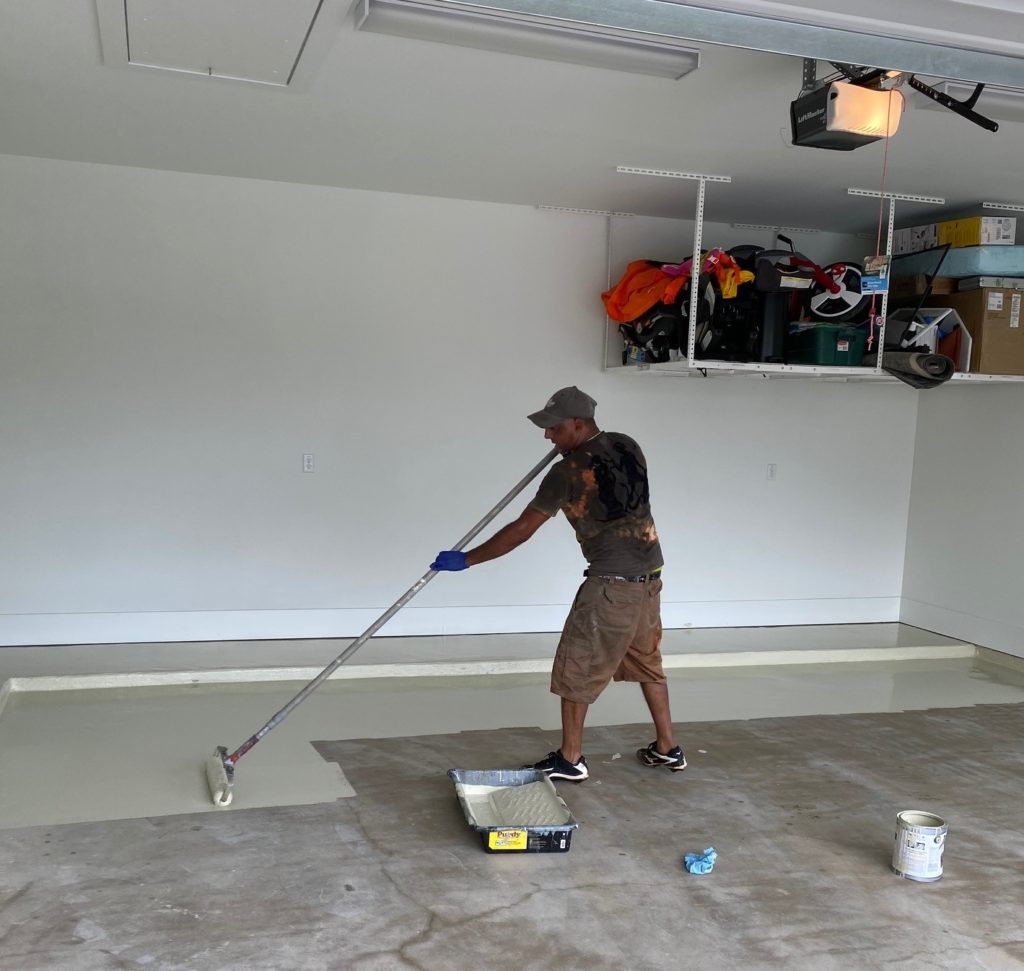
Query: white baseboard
{"points": [[983, 631], [779, 613], [1001, 659], [454, 669], [241, 625]]}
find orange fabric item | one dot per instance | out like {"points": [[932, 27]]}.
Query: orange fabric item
{"points": [[641, 287], [645, 283]]}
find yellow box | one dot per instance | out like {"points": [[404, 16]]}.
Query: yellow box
{"points": [[978, 231]]}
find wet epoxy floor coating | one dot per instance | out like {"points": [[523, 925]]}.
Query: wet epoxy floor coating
{"points": [[72, 756], [77, 756]]}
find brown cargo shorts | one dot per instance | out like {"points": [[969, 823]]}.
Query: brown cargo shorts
{"points": [[612, 631]]}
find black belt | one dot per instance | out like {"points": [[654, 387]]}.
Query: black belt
{"points": [[643, 578]]}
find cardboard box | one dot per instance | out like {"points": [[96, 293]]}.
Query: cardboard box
{"points": [[1003, 282], [914, 239], [992, 317], [978, 231], [914, 285]]}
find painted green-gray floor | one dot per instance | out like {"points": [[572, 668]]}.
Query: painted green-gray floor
{"points": [[91, 659], [139, 751], [801, 810]]}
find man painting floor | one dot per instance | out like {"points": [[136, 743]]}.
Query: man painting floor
{"points": [[613, 631]]}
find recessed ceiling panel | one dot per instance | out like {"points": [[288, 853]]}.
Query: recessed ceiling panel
{"points": [[250, 40]]}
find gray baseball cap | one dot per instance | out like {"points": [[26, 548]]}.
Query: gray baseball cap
{"points": [[564, 403]]}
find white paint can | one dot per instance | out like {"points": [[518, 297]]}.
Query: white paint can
{"points": [[920, 840]]}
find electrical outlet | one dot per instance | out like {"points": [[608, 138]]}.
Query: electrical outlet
{"points": [[307, 462], [770, 475]]}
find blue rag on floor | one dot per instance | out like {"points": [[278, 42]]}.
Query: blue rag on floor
{"points": [[701, 862]]}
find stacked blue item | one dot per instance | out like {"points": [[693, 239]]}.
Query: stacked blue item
{"points": [[963, 261]]}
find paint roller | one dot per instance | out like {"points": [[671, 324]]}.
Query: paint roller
{"points": [[220, 767]]}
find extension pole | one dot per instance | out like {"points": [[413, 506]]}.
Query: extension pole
{"points": [[220, 767]]}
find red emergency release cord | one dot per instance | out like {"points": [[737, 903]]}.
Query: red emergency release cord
{"points": [[872, 317]]}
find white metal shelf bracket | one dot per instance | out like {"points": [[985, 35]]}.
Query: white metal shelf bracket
{"points": [[1005, 206], [698, 233], [892, 197]]}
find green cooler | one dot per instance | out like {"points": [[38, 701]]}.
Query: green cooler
{"points": [[829, 344]]}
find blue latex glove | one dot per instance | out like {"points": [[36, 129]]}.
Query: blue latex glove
{"points": [[701, 862], [450, 560]]}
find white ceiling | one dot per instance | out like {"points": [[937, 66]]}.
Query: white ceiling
{"points": [[392, 114], [159, 34]]}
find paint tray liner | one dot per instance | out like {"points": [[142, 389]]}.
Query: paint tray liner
{"points": [[514, 810]]}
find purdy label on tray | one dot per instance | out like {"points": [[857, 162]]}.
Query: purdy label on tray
{"points": [[507, 839]]}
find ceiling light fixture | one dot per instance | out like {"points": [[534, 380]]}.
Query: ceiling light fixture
{"points": [[861, 111], [548, 38]]}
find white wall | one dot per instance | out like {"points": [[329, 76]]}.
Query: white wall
{"points": [[964, 564], [173, 343]]}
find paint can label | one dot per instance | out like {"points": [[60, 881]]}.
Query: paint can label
{"points": [[920, 841]]}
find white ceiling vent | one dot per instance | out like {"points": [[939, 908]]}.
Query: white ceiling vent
{"points": [[261, 41]]}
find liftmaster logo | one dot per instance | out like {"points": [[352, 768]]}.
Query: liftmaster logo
{"points": [[817, 113]]}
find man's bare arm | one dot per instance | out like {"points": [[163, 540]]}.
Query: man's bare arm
{"points": [[508, 537]]}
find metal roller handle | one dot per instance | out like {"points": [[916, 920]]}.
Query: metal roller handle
{"points": [[231, 760]]}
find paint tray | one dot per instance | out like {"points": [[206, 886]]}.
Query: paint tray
{"points": [[514, 810]]}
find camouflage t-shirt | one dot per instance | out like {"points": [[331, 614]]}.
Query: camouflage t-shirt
{"points": [[602, 489]]}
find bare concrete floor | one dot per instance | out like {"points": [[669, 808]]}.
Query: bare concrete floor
{"points": [[801, 809]]}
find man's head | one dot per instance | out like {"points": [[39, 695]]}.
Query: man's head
{"points": [[567, 418]]}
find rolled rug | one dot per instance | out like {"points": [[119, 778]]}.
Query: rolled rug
{"points": [[918, 369]]}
